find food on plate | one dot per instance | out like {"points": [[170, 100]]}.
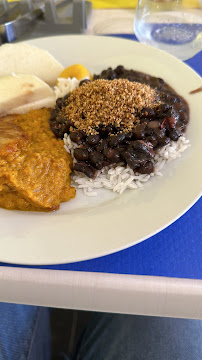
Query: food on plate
{"points": [[21, 93], [77, 71], [65, 86], [69, 79], [121, 128], [34, 167], [114, 130], [100, 116], [23, 58]]}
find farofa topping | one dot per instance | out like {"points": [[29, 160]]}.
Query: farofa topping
{"points": [[127, 115], [103, 102]]}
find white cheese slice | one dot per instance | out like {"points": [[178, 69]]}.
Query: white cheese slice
{"points": [[20, 93]]}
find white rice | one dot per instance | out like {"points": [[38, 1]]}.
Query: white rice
{"points": [[117, 178], [64, 86]]}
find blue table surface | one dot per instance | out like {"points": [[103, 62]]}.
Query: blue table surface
{"points": [[174, 252]]}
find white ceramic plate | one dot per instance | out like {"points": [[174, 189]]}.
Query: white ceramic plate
{"points": [[86, 228]]}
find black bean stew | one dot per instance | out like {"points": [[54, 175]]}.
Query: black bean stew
{"points": [[156, 127]]}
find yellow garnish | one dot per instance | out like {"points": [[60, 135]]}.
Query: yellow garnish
{"points": [[78, 71]]}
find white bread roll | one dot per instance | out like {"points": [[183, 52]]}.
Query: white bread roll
{"points": [[23, 58], [21, 93]]}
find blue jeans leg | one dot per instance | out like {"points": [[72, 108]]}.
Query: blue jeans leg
{"points": [[128, 337], [24, 332]]}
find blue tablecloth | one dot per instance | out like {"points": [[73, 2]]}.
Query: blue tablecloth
{"points": [[174, 252]]}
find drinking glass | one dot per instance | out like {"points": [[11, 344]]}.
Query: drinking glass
{"points": [[174, 26]]}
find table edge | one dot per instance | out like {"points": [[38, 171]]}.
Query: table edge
{"points": [[114, 293]]}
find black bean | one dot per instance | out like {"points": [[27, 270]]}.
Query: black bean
{"points": [[170, 97], [81, 154], [147, 168], [131, 159], [88, 147], [108, 74], [184, 107], [148, 132], [160, 114], [76, 136], [161, 137], [68, 123], [177, 98], [178, 107], [144, 120], [60, 119], [59, 103], [89, 171], [53, 114], [171, 121], [137, 154], [56, 129], [166, 97], [105, 131], [119, 70], [174, 134], [181, 126], [163, 140], [139, 131], [141, 149], [183, 116], [84, 81], [153, 82], [135, 74], [147, 112], [138, 77], [161, 83], [129, 136], [159, 132], [103, 144], [111, 75], [150, 147], [103, 74], [129, 77], [147, 77], [154, 124], [152, 139], [102, 132], [163, 108], [116, 139], [66, 96], [93, 140], [96, 159], [112, 155], [109, 129], [123, 75], [106, 163], [121, 148]]}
